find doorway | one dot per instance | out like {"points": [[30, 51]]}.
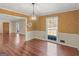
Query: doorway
{"points": [[52, 27], [5, 33], [17, 28], [5, 28]]}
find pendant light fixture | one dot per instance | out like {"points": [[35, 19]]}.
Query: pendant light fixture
{"points": [[33, 15]]}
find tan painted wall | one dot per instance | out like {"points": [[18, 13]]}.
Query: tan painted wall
{"points": [[41, 23], [68, 22], [38, 24], [33, 27]]}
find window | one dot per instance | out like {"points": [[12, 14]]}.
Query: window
{"points": [[52, 24]]}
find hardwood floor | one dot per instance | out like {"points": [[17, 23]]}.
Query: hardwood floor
{"points": [[15, 45]]}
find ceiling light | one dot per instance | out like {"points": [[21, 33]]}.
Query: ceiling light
{"points": [[33, 15]]}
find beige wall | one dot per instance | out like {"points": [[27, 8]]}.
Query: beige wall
{"points": [[33, 27], [38, 24], [41, 23], [68, 22]]}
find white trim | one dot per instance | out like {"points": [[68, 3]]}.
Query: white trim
{"points": [[40, 35], [70, 39], [29, 35], [61, 43], [36, 34], [47, 31]]}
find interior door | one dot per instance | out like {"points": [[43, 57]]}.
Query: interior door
{"points": [[6, 28]]}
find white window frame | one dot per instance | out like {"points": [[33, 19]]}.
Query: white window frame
{"points": [[47, 29]]}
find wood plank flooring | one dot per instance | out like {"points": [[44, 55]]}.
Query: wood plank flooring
{"points": [[15, 45]]}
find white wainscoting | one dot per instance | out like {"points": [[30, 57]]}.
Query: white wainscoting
{"points": [[70, 39], [40, 35], [30, 35], [35, 34]]}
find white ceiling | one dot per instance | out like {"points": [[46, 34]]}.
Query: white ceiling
{"points": [[40, 8], [9, 17]]}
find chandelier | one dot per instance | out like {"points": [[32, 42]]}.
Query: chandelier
{"points": [[33, 15]]}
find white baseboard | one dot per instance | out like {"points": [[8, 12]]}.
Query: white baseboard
{"points": [[70, 39]]}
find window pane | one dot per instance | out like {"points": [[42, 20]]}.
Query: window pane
{"points": [[52, 23]]}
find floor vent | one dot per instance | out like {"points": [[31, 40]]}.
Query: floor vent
{"points": [[62, 41]]}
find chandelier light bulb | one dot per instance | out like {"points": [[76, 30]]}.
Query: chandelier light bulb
{"points": [[34, 18]]}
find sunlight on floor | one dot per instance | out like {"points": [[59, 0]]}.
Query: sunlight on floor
{"points": [[17, 41], [53, 48]]}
